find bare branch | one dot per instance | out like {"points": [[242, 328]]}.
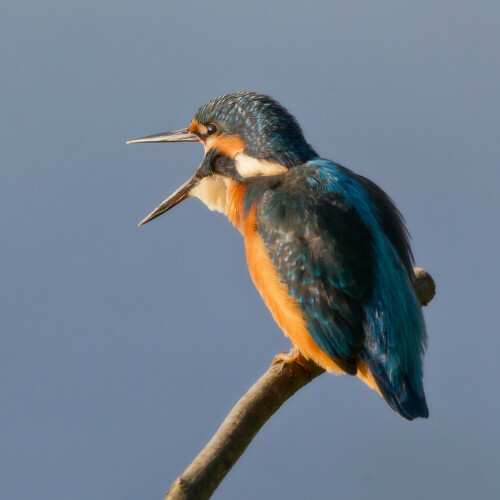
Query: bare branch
{"points": [[281, 381]]}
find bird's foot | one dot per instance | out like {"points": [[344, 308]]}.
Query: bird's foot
{"points": [[292, 356]]}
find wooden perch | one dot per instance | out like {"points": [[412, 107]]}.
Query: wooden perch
{"points": [[281, 381]]}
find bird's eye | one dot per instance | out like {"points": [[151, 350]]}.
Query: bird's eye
{"points": [[211, 129]]}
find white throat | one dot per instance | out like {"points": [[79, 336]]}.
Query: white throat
{"points": [[212, 192]]}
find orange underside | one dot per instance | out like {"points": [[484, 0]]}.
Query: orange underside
{"points": [[283, 307]]}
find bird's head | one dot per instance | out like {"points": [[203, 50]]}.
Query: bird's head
{"points": [[245, 136]]}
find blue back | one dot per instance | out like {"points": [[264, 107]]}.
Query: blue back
{"points": [[341, 248]]}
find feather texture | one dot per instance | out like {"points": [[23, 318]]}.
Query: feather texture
{"points": [[341, 249]]}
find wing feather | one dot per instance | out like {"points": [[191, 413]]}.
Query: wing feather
{"points": [[324, 255]]}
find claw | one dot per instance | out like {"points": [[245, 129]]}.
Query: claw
{"points": [[292, 356]]}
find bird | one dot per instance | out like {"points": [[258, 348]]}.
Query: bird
{"points": [[326, 248]]}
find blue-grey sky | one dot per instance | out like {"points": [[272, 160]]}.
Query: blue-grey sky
{"points": [[123, 348]]}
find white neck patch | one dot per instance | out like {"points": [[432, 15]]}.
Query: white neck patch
{"points": [[250, 167], [212, 190]]}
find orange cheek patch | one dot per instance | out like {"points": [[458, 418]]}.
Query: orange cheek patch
{"points": [[229, 145]]}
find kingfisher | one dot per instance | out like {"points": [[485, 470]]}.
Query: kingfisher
{"points": [[326, 248]]}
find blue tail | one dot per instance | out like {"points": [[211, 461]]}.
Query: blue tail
{"points": [[396, 337], [402, 397]]}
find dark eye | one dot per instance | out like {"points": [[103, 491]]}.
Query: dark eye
{"points": [[211, 129]]}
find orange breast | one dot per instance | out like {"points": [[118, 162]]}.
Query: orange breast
{"points": [[235, 194]]}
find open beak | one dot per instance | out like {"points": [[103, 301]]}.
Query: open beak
{"points": [[174, 199], [182, 135]]}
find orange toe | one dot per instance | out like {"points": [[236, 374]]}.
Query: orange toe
{"points": [[292, 356]]}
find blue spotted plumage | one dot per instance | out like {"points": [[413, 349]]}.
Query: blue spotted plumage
{"points": [[326, 248]]}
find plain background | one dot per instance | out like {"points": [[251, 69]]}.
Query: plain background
{"points": [[123, 348]]}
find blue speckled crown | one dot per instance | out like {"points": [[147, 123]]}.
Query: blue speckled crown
{"points": [[269, 131]]}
